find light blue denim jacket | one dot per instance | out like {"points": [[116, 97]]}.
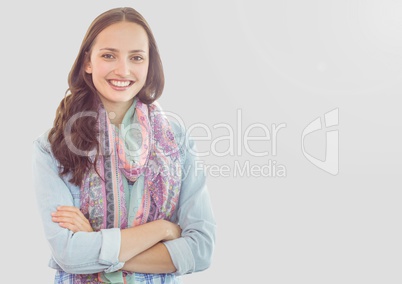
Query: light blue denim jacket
{"points": [[86, 253]]}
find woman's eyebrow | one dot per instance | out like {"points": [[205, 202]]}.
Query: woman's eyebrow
{"points": [[116, 50]]}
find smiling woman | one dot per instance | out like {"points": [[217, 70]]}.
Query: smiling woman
{"points": [[118, 73], [110, 214]]}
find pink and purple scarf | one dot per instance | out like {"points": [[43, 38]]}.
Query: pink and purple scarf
{"points": [[144, 145]]}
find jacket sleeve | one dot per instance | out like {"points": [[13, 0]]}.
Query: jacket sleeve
{"points": [[77, 253], [193, 251]]}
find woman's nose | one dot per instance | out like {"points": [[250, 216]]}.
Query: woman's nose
{"points": [[122, 68]]}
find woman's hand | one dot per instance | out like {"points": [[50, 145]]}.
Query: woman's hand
{"points": [[71, 218]]}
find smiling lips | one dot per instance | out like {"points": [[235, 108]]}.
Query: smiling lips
{"points": [[120, 84]]}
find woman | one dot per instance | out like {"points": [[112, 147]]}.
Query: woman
{"points": [[117, 187]]}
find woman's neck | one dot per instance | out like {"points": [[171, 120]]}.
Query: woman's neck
{"points": [[115, 118], [116, 112]]}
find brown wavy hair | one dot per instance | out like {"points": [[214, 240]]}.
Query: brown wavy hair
{"points": [[82, 99]]}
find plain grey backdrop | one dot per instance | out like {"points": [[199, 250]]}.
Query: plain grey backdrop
{"points": [[260, 63]]}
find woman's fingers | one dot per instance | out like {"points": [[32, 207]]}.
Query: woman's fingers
{"points": [[69, 226], [71, 209], [71, 223], [71, 218]]}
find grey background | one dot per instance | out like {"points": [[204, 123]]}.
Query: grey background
{"points": [[276, 61]]}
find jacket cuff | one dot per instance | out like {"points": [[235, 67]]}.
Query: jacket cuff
{"points": [[181, 256], [109, 254]]}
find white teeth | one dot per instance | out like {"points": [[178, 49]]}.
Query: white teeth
{"points": [[120, 83]]}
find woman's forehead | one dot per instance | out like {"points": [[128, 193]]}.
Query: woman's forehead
{"points": [[122, 36]]}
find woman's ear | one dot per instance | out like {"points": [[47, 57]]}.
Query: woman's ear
{"points": [[88, 66]]}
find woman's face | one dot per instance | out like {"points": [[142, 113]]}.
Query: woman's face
{"points": [[118, 63]]}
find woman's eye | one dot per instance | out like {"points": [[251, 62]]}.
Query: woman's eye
{"points": [[108, 56], [137, 58]]}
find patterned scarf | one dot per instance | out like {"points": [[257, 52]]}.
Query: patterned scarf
{"points": [[144, 145]]}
